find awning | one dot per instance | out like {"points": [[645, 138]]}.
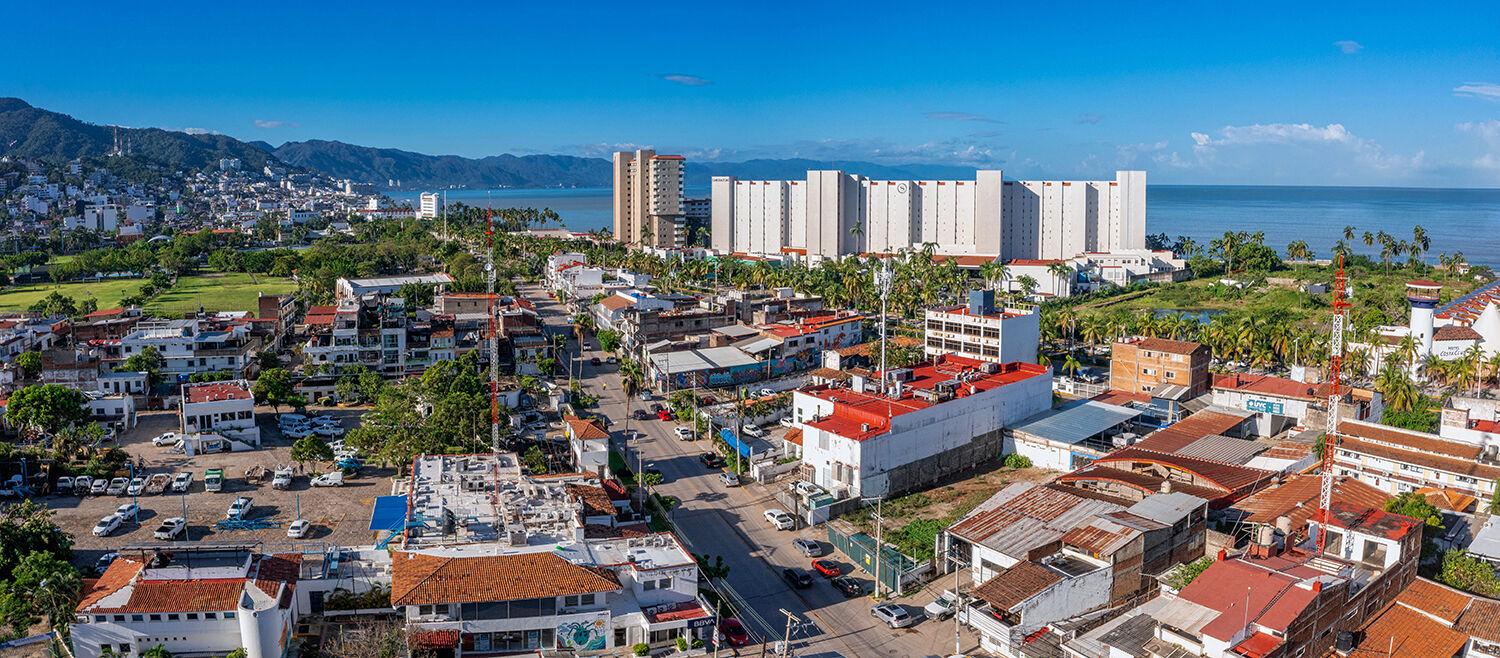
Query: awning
{"points": [[389, 513]]}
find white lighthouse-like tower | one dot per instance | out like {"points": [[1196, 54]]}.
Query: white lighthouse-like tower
{"points": [[1423, 296]]}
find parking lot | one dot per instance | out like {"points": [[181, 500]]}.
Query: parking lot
{"points": [[339, 515]]}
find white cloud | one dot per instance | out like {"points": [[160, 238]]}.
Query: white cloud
{"points": [[606, 149], [200, 131], [1280, 153], [961, 116], [1489, 133], [272, 123], [1275, 133], [1486, 90], [686, 80], [1348, 47]]}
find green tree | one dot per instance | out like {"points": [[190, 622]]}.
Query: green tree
{"points": [[42, 586], [1189, 572], [651, 479], [1415, 505], [268, 359], [147, 360], [274, 387], [30, 363], [48, 407], [1462, 570], [609, 340], [1015, 460], [157, 651], [311, 449], [536, 460], [415, 295], [55, 304]]}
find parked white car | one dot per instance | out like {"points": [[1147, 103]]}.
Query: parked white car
{"points": [[729, 479], [780, 519], [170, 528], [127, 511], [328, 431], [99, 487], [136, 486], [752, 430], [282, 479], [239, 508], [333, 479], [943, 606], [298, 529], [298, 431], [182, 481], [285, 420], [118, 486], [82, 484], [107, 525], [64, 485], [684, 433]]}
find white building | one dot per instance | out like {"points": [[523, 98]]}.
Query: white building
{"points": [[388, 285], [431, 206], [1399, 460], [187, 347], [225, 408], [940, 417], [542, 565], [832, 214], [1122, 267], [980, 331]]}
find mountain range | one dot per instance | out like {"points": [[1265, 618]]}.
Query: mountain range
{"points": [[33, 132]]}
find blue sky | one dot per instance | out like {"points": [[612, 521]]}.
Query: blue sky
{"points": [[1252, 93]]}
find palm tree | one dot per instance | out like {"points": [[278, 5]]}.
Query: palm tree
{"points": [[1399, 391], [1061, 274], [1407, 350], [1369, 239], [993, 273], [1420, 239], [1071, 366], [1298, 250]]}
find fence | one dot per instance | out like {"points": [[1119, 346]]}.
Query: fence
{"points": [[898, 572]]}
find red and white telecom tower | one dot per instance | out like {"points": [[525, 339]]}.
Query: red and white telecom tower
{"points": [[1335, 394], [493, 339]]}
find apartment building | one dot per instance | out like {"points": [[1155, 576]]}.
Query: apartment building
{"points": [[648, 200], [979, 330], [430, 205], [376, 332], [544, 567], [225, 408], [938, 418], [1397, 460], [194, 345], [388, 285], [832, 213], [1149, 365]]}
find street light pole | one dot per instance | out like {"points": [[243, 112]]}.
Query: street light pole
{"points": [[786, 641]]}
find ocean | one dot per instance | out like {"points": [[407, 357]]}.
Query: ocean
{"points": [[1465, 220]]}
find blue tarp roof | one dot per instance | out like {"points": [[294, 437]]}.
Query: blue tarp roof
{"points": [[389, 513]]}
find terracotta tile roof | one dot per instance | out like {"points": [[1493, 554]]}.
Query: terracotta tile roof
{"points": [[585, 430], [1434, 599], [1430, 443], [1448, 499], [181, 596], [1481, 620], [1280, 387], [1144, 482], [117, 576], [1402, 631], [1230, 477], [1184, 432], [1122, 398], [793, 435], [1016, 584], [419, 578], [1457, 465], [217, 391], [1298, 498], [616, 302], [1455, 332], [1167, 345], [596, 501]]}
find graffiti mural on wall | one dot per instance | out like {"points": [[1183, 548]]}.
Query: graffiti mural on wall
{"points": [[586, 635]]}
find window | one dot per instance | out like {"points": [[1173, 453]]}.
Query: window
{"points": [[210, 615], [1171, 375], [136, 618], [155, 617], [99, 619], [192, 616], [229, 615], [173, 617], [1148, 371]]}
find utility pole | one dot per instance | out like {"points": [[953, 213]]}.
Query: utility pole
{"points": [[883, 282], [879, 541], [786, 641]]}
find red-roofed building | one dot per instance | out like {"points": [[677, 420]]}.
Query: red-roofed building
{"points": [[1151, 365], [225, 408], [197, 602], [940, 417], [1280, 403]]}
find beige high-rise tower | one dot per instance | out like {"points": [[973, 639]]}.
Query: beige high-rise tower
{"points": [[648, 199]]}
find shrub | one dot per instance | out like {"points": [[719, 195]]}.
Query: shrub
{"points": [[1187, 573], [641, 649], [1015, 460], [682, 643]]}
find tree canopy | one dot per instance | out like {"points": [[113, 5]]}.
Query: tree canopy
{"points": [[48, 407]]}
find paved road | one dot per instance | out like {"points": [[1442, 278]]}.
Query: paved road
{"points": [[728, 522]]}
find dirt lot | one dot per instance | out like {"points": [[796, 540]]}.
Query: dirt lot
{"points": [[340, 515]]}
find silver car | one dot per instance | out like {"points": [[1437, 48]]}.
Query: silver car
{"points": [[893, 615]]}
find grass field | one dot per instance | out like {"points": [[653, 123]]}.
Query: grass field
{"points": [[212, 291], [215, 292]]}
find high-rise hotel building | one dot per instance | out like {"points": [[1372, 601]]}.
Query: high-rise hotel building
{"points": [[648, 204], [833, 213]]}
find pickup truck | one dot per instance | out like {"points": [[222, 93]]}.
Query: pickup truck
{"points": [[282, 479], [157, 484], [213, 479], [182, 481], [942, 607]]}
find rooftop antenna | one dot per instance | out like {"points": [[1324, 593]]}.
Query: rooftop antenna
{"points": [[1331, 436], [883, 282]]}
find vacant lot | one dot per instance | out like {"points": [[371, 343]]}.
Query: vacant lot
{"points": [[216, 292], [340, 515], [106, 294]]}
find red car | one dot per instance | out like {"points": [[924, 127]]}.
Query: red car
{"points": [[663, 414], [734, 632], [828, 568]]}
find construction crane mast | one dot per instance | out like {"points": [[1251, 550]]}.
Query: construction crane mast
{"points": [[1335, 395], [493, 338]]}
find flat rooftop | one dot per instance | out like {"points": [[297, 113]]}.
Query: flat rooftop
{"points": [[863, 414], [485, 498]]}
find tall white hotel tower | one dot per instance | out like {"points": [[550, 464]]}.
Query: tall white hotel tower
{"points": [[833, 213]]}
